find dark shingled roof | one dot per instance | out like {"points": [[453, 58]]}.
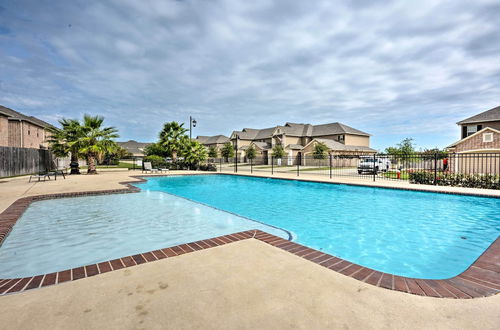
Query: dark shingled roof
{"points": [[294, 129], [14, 115], [212, 139], [488, 115]]}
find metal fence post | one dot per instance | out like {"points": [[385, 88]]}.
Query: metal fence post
{"points": [[299, 160], [435, 168], [272, 165], [330, 165], [374, 168], [220, 164], [251, 165]]}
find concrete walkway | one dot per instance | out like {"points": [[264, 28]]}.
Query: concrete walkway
{"points": [[247, 284]]}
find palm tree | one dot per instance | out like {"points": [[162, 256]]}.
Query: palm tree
{"points": [[194, 152], [61, 140], [172, 138], [94, 140]]}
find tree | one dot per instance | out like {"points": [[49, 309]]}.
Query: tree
{"points": [[227, 150], [113, 158], [251, 152], [61, 139], [320, 150], [155, 149], [212, 152], [94, 140], [278, 151], [405, 147], [430, 153], [194, 152], [173, 138]]}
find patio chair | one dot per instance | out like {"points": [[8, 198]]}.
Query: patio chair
{"points": [[166, 170], [147, 167], [58, 170], [40, 176]]}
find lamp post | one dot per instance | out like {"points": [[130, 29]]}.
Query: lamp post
{"points": [[236, 154], [192, 123]]}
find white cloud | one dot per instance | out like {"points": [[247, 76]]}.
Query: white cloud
{"points": [[413, 68]]}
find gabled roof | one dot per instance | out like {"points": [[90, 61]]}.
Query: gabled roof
{"points": [[212, 139], [337, 146], [335, 128], [295, 129], [262, 145], [488, 115], [14, 115], [294, 146], [472, 135], [134, 147]]}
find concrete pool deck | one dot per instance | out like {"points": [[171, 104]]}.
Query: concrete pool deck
{"points": [[248, 284], [245, 284]]}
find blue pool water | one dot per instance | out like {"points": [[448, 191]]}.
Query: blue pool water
{"points": [[60, 234], [407, 233]]}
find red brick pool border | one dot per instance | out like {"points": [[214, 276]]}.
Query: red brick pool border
{"points": [[481, 279]]}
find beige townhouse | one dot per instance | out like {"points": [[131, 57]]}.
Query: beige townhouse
{"points": [[216, 141], [299, 140]]}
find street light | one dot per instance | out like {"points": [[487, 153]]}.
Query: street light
{"points": [[236, 153], [192, 123]]}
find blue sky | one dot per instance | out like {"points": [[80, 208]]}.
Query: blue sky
{"points": [[394, 69]]}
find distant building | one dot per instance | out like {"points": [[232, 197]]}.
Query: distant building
{"points": [[299, 140], [133, 147], [479, 133], [216, 141], [19, 130]]}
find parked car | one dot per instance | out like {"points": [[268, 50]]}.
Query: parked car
{"points": [[369, 164]]}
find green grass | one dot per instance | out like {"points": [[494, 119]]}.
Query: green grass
{"points": [[325, 168], [120, 165], [393, 175]]}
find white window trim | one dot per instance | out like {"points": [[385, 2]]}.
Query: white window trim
{"points": [[471, 129], [487, 137]]}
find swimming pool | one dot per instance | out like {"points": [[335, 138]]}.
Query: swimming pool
{"points": [[406, 233], [59, 234]]}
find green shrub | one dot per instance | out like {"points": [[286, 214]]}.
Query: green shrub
{"points": [[156, 161], [486, 181]]}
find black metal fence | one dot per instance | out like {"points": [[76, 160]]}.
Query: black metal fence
{"points": [[21, 161], [425, 168]]}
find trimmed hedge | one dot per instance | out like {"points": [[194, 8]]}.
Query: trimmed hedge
{"points": [[160, 162], [486, 181]]}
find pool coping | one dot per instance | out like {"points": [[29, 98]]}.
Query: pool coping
{"points": [[481, 279]]}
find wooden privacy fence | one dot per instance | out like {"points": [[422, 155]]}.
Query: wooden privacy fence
{"points": [[20, 161]]}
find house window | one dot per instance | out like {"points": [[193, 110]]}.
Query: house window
{"points": [[471, 129], [29, 133], [340, 138], [488, 137]]}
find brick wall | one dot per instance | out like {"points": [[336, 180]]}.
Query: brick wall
{"points": [[33, 136], [15, 133], [4, 131]]}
